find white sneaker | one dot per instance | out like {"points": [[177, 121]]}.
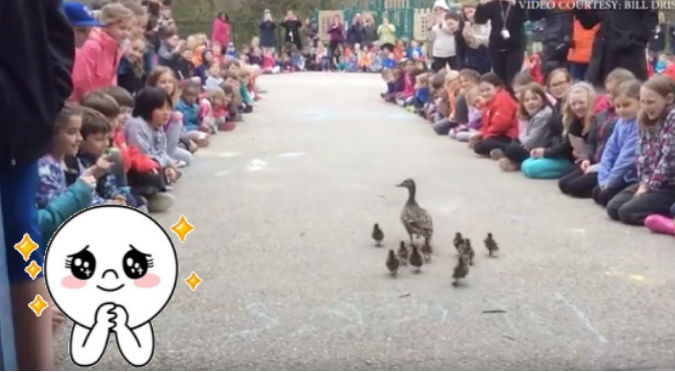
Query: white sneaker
{"points": [[160, 202]]}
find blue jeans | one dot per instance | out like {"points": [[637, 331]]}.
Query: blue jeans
{"points": [[545, 168], [578, 70], [18, 187]]}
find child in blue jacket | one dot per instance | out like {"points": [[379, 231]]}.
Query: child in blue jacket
{"points": [[617, 169]]}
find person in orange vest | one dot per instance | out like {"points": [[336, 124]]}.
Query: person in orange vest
{"points": [[579, 54]]}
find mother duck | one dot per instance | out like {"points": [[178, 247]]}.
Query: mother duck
{"points": [[415, 219]]}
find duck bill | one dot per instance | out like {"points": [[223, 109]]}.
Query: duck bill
{"points": [[399, 185]]}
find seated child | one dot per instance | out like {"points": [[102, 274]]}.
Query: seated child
{"points": [[365, 59], [616, 169], [219, 103], [142, 172], [450, 88], [213, 79], [500, 125], [568, 137], [535, 109], [188, 107], [206, 116], [388, 60], [394, 79], [476, 102], [414, 51], [654, 193], [322, 59], [56, 200], [145, 130], [297, 60], [422, 93], [378, 64], [408, 92]]}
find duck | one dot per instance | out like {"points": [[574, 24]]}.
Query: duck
{"points": [[392, 263], [403, 253], [416, 259], [377, 235], [461, 270], [459, 240], [491, 245], [416, 220], [468, 251]]}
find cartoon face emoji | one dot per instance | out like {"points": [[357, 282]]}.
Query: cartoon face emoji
{"points": [[111, 254]]}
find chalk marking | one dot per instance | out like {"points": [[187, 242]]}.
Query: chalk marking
{"points": [[228, 154], [637, 277], [222, 173], [256, 165], [444, 312], [585, 321], [291, 155], [580, 231]]}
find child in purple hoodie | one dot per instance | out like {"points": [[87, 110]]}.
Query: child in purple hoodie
{"points": [[463, 131]]}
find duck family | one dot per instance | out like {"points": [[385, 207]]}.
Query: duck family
{"points": [[418, 224]]}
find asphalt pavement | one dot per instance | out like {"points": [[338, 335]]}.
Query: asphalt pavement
{"points": [[283, 209]]}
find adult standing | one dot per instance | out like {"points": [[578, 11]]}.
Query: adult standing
{"points": [[507, 35], [444, 51], [438, 12], [335, 33], [620, 42], [221, 30], [36, 57], [369, 30], [387, 34], [266, 28], [309, 35], [580, 51], [354, 32], [291, 27], [472, 42], [557, 35]]}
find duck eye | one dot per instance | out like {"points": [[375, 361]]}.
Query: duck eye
{"points": [[82, 264], [136, 263]]}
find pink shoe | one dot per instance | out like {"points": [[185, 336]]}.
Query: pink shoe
{"points": [[660, 224]]}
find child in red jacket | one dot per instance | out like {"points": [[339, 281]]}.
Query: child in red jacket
{"points": [[499, 124]]}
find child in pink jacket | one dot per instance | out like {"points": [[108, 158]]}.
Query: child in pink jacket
{"points": [[97, 61]]}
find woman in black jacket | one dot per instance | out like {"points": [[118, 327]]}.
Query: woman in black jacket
{"points": [[507, 36], [620, 42], [291, 27]]}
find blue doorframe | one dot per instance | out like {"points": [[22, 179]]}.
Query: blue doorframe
{"points": [[7, 350]]}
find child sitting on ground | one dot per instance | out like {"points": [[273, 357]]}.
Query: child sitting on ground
{"points": [[145, 131], [655, 191], [535, 109], [500, 125], [555, 159], [407, 94], [142, 172], [187, 105], [422, 93], [56, 200], [394, 79], [322, 59], [214, 79], [616, 169], [444, 123], [219, 103], [365, 59], [476, 102]]}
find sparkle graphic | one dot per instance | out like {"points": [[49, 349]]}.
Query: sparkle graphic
{"points": [[182, 228], [33, 269], [38, 305], [193, 281], [26, 246]]}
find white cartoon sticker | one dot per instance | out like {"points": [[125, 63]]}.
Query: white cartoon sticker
{"points": [[111, 270]]}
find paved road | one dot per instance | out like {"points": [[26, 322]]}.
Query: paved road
{"points": [[284, 206]]}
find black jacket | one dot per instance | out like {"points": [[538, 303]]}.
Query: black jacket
{"points": [[620, 42], [474, 58], [556, 38], [292, 32], [36, 58], [515, 21], [657, 43]]}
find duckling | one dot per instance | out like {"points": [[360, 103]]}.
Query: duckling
{"points": [[416, 259], [403, 253], [491, 245], [426, 250], [377, 235], [468, 250], [392, 263], [415, 219], [461, 270], [458, 242]]}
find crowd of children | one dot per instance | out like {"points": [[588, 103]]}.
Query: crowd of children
{"points": [[138, 111], [617, 148]]}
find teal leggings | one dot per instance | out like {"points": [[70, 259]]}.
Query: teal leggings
{"points": [[545, 168]]}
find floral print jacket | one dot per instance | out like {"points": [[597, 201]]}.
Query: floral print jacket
{"points": [[656, 159]]}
